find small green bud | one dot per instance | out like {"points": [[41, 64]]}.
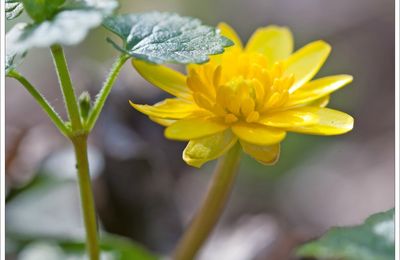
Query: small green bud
{"points": [[68, 125], [40, 10], [85, 104]]}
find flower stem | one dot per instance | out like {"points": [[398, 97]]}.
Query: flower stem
{"points": [[212, 207], [66, 86], [104, 92], [87, 201], [40, 99]]}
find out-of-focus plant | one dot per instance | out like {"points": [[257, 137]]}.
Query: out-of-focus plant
{"points": [[153, 37], [373, 240], [244, 99]]}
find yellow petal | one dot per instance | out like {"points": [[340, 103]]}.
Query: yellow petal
{"points": [[168, 109], [162, 121], [267, 155], [258, 134], [318, 88], [200, 151], [234, 50], [290, 118], [273, 41], [321, 102], [230, 33], [306, 62], [331, 122], [193, 128], [163, 77], [168, 122]]}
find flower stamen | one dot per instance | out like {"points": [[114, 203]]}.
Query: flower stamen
{"points": [[242, 90]]}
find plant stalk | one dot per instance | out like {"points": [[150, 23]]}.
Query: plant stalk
{"points": [[86, 195], [41, 100], [66, 86], [212, 207], [104, 92]]}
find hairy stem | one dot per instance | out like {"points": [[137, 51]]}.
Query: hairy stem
{"points": [[212, 207], [104, 92], [86, 194], [43, 103], [66, 87], [79, 139]]}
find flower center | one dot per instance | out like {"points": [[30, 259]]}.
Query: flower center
{"points": [[240, 87]]}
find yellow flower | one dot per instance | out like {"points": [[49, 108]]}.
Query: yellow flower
{"points": [[251, 95]]}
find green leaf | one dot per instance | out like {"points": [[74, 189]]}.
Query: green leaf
{"points": [[40, 10], [13, 59], [119, 247], [13, 9], [166, 37], [112, 247], [68, 27], [373, 240]]}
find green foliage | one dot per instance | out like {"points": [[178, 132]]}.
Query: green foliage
{"points": [[112, 247], [13, 9], [13, 59], [373, 240], [40, 10], [118, 248], [166, 37], [68, 26]]}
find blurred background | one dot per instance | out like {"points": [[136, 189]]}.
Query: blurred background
{"points": [[143, 189]]}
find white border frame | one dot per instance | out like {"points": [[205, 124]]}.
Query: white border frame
{"points": [[2, 130], [396, 172]]}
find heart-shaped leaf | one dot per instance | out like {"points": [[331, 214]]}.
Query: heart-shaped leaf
{"points": [[166, 37], [373, 240], [13, 9], [68, 27]]}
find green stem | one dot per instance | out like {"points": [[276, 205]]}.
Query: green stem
{"points": [[66, 87], [104, 92], [79, 140], [87, 201], [40, 99], [212, 207]]}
